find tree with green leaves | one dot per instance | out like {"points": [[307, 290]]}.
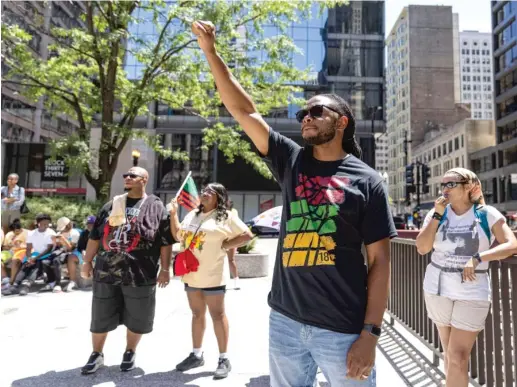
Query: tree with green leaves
{"points": [[84, 76]]}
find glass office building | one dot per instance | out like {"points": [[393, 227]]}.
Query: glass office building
{"points": [[497, 166], [344, 47]]}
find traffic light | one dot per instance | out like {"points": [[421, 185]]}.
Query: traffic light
{"points": [[410, 180], [426, 174]]}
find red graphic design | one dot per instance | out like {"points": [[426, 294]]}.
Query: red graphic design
{"points": [[123, 238], [319, 190]]}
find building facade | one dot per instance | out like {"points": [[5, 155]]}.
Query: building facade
{"points": [[345, 48], [450, 148], [497, 165], [476, 73], [420, 85], [381, 152], [27, 127]]}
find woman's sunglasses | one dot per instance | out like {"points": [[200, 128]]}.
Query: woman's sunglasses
{"points": [[131, 175], [452, 184], [315, 111]]}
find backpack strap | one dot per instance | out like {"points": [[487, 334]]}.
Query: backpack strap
{"points": [[481, 214], [444, 216]]}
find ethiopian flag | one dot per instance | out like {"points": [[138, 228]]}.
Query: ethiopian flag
{"points": [[188, 197]]}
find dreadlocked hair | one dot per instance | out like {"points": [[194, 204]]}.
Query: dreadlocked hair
{"points": [[350, 144], [221, 208]]}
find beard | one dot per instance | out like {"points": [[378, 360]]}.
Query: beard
{"points": [[323, 136]]}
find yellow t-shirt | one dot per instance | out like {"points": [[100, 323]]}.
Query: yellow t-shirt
{"points": [[17, 241], [208, 243]]}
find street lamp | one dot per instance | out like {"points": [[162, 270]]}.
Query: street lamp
{"points": [[136, 155]]}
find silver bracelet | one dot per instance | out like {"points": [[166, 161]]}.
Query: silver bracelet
{"points": [[167, 271]]}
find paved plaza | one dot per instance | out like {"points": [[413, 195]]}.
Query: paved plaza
{"points": [[44, 341]]}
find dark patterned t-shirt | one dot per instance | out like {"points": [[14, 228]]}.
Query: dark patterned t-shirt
{"points": [[331, 208], [124, 257]]}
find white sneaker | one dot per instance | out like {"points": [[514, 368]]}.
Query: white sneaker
{"points": [[71, 286], [57, 289]]}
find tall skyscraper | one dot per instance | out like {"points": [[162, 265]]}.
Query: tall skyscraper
{"points": [[476, 73], [420, 85], [497, 166]]}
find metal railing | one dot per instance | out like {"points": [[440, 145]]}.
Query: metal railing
{"points": [[494, 357]]}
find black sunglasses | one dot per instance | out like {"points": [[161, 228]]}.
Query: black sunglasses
{"points": [[452, 184], [315, 111], [131, 175]]}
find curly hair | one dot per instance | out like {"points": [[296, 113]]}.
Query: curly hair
{"points": [[222, 202]]}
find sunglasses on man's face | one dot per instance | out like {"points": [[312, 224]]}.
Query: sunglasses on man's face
{"points": [[452, 184], [315, 111], [131, 175]]}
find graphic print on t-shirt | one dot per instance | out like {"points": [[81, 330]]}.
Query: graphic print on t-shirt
{"points": [[461, 243], [309, 239], [123, 238], [193, 241]]}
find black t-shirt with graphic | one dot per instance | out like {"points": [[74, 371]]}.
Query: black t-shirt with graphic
{"points": [[330, 210], [124, 257]]}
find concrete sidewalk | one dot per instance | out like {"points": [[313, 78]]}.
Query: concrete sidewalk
{"points": [[45, 339]]}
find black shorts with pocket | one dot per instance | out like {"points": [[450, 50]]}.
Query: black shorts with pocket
{"points": [[113, 305]]}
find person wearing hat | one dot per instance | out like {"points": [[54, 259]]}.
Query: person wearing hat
{"points": [[65, 252]]}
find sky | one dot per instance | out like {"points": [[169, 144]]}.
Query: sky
{"points": [[474, 15]]}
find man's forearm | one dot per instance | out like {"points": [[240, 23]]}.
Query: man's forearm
{"points": [[165, 257], [232, 94], [378, 287], [91, 250], [47, 250]]}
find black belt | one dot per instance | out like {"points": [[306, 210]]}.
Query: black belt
{"points": [[444, 269]]}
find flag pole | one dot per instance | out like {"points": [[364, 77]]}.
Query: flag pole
{"points": [[183, 185]]}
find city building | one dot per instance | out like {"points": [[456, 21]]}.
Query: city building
{"points": [[421, 87], [448, 148], [476, 73], [381, 152], [27, 127], [497, 166], [344, 46]]}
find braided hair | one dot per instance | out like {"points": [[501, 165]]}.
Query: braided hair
{"points": [[350, 144], [222, 202]]}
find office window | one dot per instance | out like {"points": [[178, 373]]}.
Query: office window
{"points": [[462, 142], [450, 146], [456, 143]]}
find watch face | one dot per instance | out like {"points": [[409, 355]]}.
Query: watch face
{"points": [[376, 331]]}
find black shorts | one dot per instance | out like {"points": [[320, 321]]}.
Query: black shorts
{"points": [[113, 305]]}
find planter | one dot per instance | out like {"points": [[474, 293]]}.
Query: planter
{"points": [[252, 265]]}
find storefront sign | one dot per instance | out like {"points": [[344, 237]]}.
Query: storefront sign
{"points": [[54, 170]]}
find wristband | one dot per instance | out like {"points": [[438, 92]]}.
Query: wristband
{"points": [[166, 271], [477, 257], [437, 216]]}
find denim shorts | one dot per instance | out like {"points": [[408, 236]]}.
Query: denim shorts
{"points": [[207, 291], [297, 350]]}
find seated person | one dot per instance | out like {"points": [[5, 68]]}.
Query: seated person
{"points": [[85, 234], [65, 252], [13, 252], [39, 245]]}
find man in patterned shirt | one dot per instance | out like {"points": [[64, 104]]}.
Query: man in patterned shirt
{"points": [[131, 235]]}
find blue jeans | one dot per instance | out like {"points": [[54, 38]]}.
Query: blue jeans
{"points": [[297, 350]]}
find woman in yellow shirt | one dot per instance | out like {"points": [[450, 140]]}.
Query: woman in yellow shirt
{"points": [[209, 231], [13, 252]]}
